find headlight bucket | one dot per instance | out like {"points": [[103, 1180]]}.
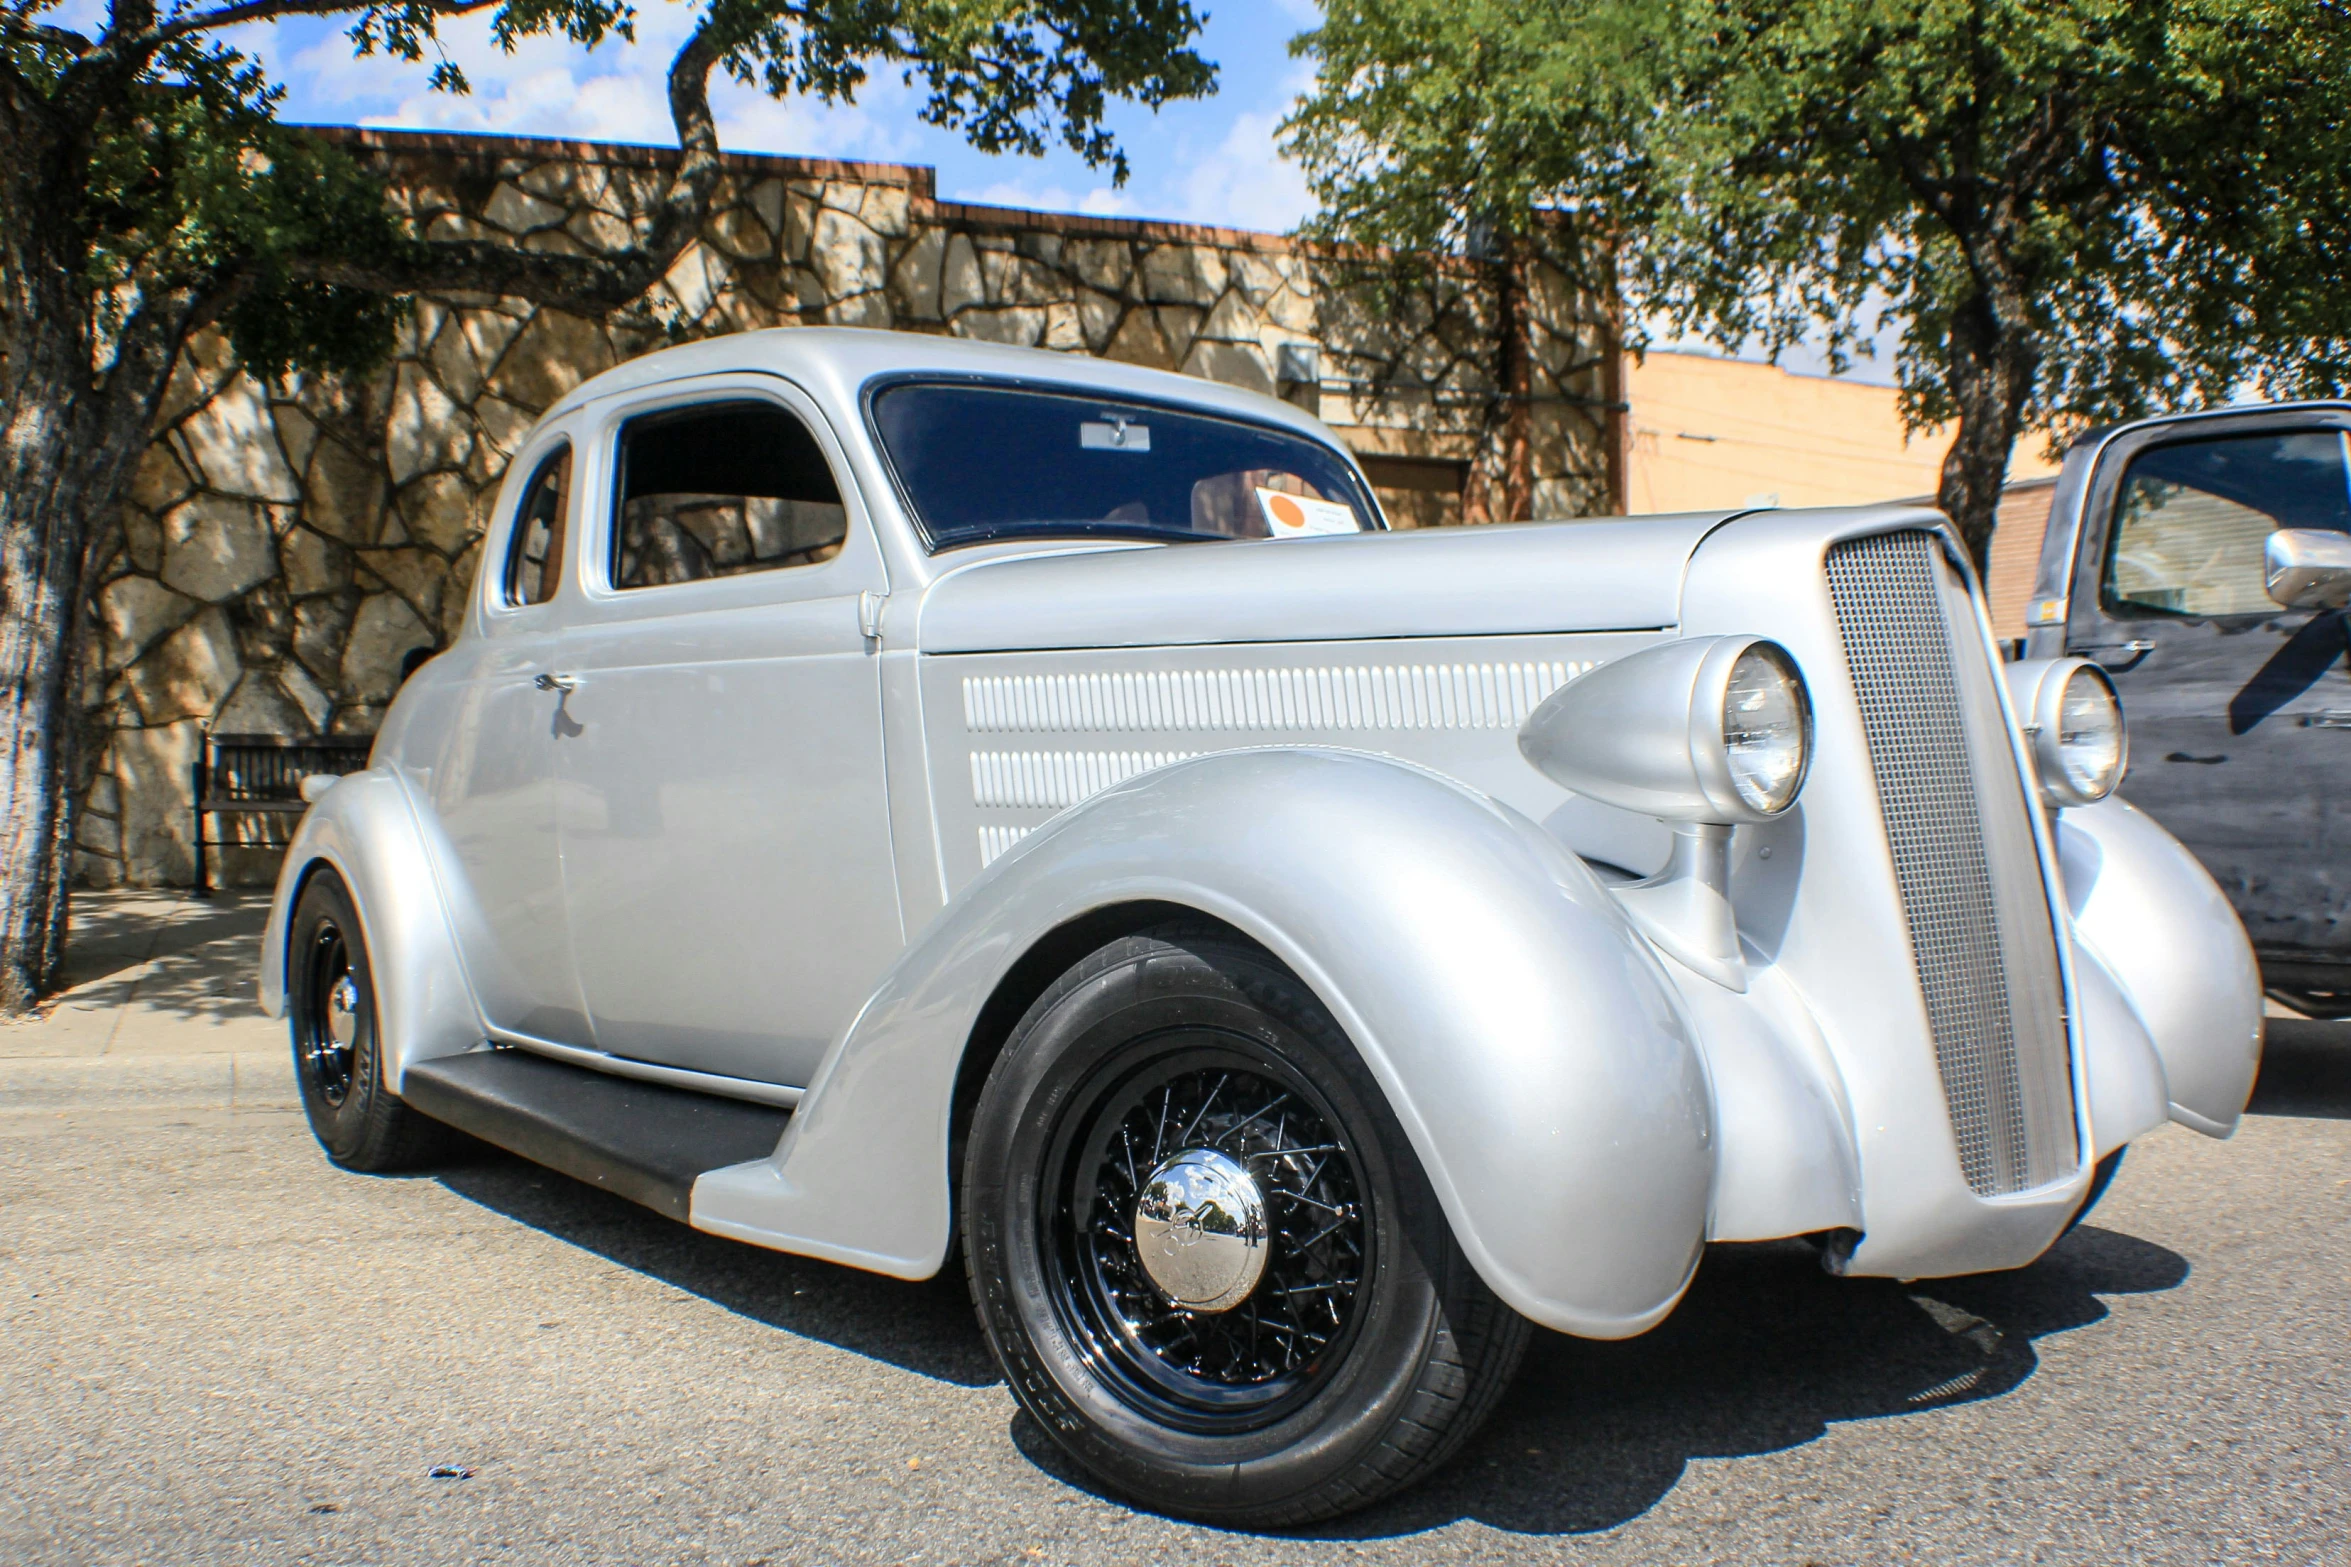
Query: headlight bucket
{"points": [[2074, 726], [1705, 729]]}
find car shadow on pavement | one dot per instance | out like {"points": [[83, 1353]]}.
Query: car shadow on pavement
{"points": [[2305, 1070], [1765, 1353], [925, 1328]]}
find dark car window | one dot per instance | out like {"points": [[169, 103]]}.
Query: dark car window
{"points": [[719, 490], [2191, 518], [534, 556], [994, 462]]}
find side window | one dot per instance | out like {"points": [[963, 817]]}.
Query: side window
{"points": [[2191, 519], [534, 557], [720, 490]]}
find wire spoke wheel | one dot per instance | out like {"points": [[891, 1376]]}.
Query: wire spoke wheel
{"points": [[1203, 1251], [1281, 1207]]}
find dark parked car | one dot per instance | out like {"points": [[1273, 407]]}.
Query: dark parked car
{"points": [[2205, 560]]}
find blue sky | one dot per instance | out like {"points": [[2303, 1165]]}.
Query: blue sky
{"points": [[1212, 161]]}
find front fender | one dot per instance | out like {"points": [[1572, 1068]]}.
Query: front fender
{"points": [[2159, 926], [1525, 1037], [366, 828]]}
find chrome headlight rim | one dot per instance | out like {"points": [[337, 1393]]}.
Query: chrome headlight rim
{"points": [[1710, 725], [2045, 729]]}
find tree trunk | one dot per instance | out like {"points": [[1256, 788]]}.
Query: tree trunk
{"points": [[69, 443], [1509, 495], [1990, 372], [42, 511]]}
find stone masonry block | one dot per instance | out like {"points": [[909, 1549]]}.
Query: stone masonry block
{"points": [[215, 548], [189, 673], [233, 445], [426, 429]]}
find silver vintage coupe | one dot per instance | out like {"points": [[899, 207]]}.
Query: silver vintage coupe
{"points": [[915, 803]]}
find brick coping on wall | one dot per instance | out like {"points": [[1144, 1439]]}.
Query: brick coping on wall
{"points": [[919, 180]]}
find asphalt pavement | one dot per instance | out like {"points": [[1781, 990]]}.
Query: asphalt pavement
{"points": [[215, 1347]]}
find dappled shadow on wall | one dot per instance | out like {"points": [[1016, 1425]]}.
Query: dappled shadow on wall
{"points": [[924, 1328]]}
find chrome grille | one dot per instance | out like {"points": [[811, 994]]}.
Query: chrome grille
{"points": [[1969, 872]]}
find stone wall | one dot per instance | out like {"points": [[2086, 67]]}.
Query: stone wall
{"points": [[288, 544]]}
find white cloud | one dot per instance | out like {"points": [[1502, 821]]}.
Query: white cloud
{"points": [[550, 87], [1246, 183]]}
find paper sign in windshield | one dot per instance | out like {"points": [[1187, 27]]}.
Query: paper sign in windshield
{"points": [[1290, 516]]}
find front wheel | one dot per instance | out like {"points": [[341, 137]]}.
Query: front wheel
{"points": [[1205, 1254], [338, 1062]]}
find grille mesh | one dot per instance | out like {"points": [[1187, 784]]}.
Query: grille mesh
{"points": [[1955, 820]]}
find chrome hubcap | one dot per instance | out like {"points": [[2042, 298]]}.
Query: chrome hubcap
{"points": [[1200, 1230], [343, 1012]]}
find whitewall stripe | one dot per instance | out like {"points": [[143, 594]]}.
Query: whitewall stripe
{"points": [[1391, 696]]}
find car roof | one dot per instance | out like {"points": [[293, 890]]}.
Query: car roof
{"points": [[848, 357]]}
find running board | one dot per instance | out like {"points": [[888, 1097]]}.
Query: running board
{"points": [[635, 1139]]}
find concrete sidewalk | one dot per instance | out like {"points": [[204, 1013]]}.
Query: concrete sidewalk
{"points": [[160, 1006]]}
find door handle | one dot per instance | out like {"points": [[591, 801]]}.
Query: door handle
{"points": [[554, 682], [2333, 718], [2128, 653]]}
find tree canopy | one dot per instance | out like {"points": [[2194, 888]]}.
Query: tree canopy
{"points": [[148, 192], [156, 163], [2063, 212]]}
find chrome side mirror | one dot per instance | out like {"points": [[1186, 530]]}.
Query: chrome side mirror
{"points": [[2308, 568]]}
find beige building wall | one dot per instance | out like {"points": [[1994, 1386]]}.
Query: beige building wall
{"points": [[1707, 433]]}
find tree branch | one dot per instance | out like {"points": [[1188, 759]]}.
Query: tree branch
{"points": [[270, 10], [65, 38]]}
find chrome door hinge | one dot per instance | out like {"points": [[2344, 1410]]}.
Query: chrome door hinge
{"points": [[869, 613]]}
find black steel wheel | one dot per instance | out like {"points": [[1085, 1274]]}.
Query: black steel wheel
{"points": [[331, 1014], [1204, 1252]]}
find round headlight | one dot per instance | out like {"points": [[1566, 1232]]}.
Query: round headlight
{"points": [[2073, 723], [1766, 728], [2090, 739]]}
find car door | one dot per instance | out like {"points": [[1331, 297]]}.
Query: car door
{"points": [[725, 823], [492, 785], [2239, 710]]}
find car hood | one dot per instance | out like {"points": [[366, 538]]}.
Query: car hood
{"points": [[1530, 577]]}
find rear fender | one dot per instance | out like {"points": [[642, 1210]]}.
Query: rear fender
{"points": [[366, 828], [2157, 924], [1526, 1038]]}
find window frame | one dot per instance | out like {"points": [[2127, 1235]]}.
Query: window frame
{"points": [[2113, 486], [560, 447], [870, 393], [609, 554], [858, 565]]}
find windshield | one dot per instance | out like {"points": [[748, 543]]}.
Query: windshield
{"points": [[1001, 462]]}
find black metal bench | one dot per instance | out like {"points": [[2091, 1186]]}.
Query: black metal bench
{"points": [[262, 775]]}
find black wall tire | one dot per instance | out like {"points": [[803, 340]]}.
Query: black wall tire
{"points": [[1364, 1355], [338, 1062]]}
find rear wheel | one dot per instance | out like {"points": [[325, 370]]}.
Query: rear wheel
{"points": [[331, 1013], [1206, 1256]]}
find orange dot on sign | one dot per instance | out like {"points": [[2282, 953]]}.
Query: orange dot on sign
{"points": [[1286, 511]]}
